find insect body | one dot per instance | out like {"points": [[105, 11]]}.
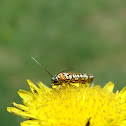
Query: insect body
{"points": [[68, 78], [81, 78]]}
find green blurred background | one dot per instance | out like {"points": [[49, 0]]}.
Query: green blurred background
{"points": [[87, 36]]}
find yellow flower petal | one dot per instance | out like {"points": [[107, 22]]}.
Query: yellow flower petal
{"points": [[33, 87], [109, 87], [122, 95], [21, 107], [26, 96], [71, 105], [20, 113]]}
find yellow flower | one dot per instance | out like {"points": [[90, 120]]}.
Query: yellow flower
{"points": [[80, 105]]}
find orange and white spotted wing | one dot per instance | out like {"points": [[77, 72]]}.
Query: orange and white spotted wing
{"points": [[59, 78]]}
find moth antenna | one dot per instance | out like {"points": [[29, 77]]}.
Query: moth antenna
{"points": [[41, 66]]}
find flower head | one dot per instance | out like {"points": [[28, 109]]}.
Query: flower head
{"points": [[71, 105]]}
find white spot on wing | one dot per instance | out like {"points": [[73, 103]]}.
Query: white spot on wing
{"points": [[70, 76], [91, 76], [66, 75], [76, 76], [85, 76]]}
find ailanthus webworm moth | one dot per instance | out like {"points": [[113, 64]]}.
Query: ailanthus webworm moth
{"points": [[61, 77]]}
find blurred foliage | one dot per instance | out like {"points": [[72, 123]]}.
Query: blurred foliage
{"points": [[87, 36]]}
